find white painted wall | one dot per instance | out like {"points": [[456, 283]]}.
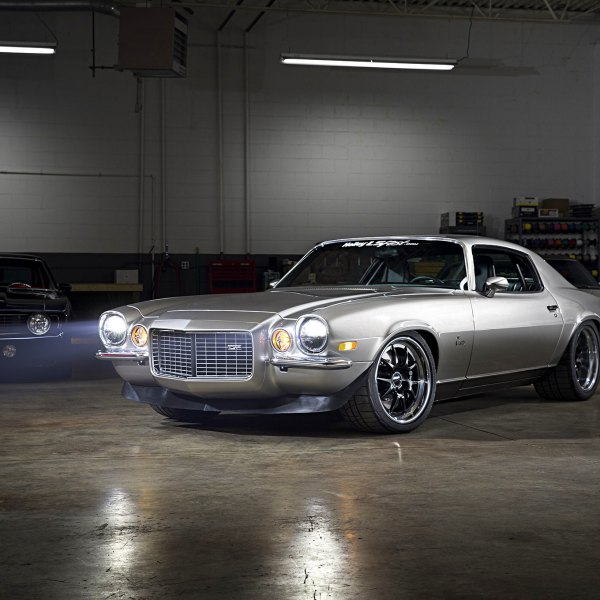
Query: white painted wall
{"points": [[332, 152]]}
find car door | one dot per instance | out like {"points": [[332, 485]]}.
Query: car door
{"points": [[516, 330]]}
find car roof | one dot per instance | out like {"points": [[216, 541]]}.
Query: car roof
{"points": [[20, 256]]}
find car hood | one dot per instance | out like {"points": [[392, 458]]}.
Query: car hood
{"points": [[29, 299], [255, 308]]}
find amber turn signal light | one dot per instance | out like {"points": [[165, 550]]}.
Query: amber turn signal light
{"points": [[281, 340]]}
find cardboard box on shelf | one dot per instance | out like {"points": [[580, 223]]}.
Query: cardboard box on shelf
{"points": [[560, 204], [524, 211], [126, 276], [548, 213], [461, 218], [526, 201]]}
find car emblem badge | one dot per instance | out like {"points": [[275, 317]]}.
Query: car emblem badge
{"points": [[234, 347]]}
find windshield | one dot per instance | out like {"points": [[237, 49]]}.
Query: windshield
{"points": [[20, 273], [381, 262]]}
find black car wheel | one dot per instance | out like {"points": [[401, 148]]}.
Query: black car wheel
{"points": [[400, 388], [576, 375]]}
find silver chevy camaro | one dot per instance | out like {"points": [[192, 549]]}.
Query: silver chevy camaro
{"points": [[376, 328]]}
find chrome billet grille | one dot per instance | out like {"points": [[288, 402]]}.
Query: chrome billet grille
{"points": [[202, 355], [172, 353], [227, 355]]}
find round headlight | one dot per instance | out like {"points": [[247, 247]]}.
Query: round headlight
{"points": [[139, 336], [312, 334], [281, 340], [113, 329], [38, 324]]}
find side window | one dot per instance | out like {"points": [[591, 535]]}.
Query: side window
{"points": [[516, 268]]}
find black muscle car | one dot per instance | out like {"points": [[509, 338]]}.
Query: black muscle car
{"points": [[34, 311]]}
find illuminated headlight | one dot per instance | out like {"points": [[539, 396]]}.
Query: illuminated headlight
{"points": [[312, 333], [139, 336], [38, 324], [113, 329]]}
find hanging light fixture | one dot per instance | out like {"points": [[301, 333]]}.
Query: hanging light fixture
{"points": [[324, 60], [28, 47]]}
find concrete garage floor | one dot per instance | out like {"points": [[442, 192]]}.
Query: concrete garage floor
{"points": [[494, 497]]}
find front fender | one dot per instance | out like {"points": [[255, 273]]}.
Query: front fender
{"points": [[448, 328]]}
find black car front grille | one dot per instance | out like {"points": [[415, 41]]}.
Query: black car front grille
{"points": [[202, 355], [15, 324], [11, 323]]}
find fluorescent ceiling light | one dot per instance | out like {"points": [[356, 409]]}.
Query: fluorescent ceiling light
{"points": [[28, 47], [417, 64]]}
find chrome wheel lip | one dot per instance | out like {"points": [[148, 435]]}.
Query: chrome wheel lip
{"points": [[587, 359], [403, 380]]}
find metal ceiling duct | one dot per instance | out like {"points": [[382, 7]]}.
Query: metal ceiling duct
{"points": [[98, 6]]}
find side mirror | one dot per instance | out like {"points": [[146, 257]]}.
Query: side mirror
{"points": [[493, 285], [64, 288], [272, 284]]}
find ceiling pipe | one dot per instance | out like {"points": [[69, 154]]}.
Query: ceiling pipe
{"points": [[98, 6], [220, 147]]}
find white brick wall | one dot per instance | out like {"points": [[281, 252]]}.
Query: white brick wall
{"points": [[333, 152]]}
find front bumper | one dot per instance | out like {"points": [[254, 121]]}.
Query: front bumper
{"points": [[122, 356], [289, 404], [34, 352], [301, 385], [327, 362]]}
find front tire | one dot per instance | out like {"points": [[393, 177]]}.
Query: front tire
{"points": [[576, 375], [400, 388], [186, 416]]}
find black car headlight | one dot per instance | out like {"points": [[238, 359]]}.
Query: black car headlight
{"points": [[38, 323], [113, 329], [312, 334]]}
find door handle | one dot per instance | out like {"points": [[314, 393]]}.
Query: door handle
{"points": [[552, 307]]}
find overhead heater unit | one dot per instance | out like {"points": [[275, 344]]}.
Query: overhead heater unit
{"points": [[153, 42]]}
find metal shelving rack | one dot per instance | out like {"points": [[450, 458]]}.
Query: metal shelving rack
{"points": [[558, 238]]}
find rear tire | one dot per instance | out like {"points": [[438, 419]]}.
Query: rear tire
{"points": [[400, 388], [184, 415], [575, 377]]}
